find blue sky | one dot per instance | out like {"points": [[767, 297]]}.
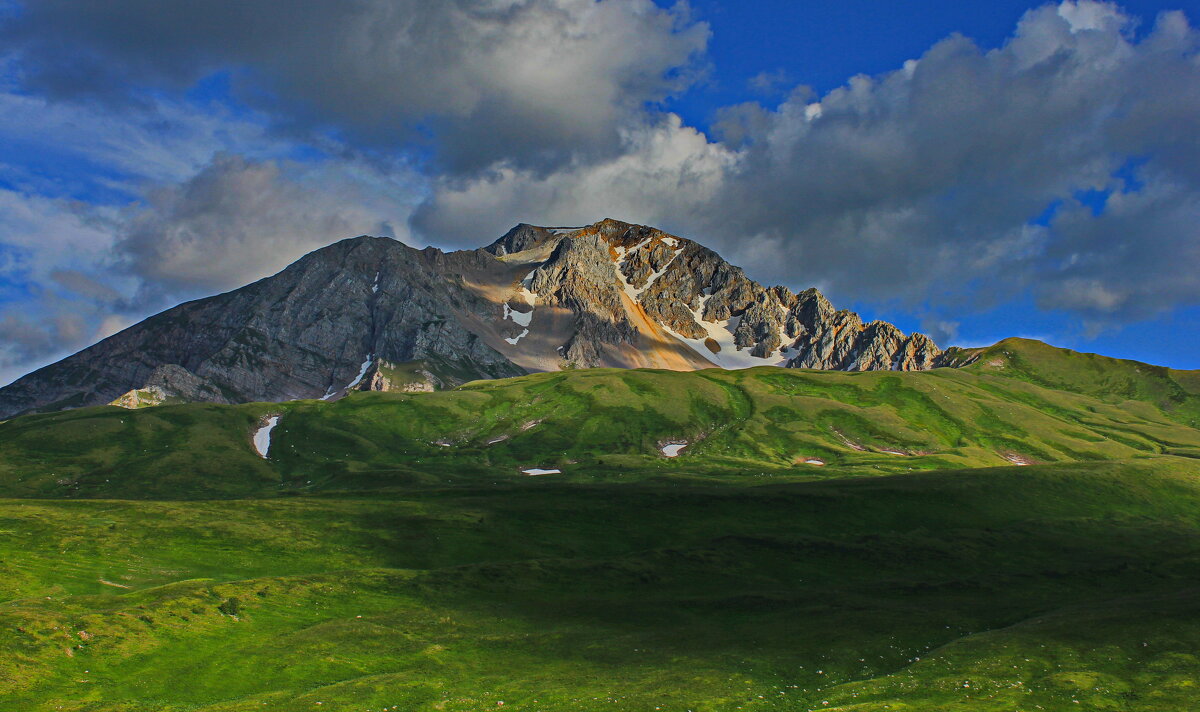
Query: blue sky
{"points": [[971, 170]]}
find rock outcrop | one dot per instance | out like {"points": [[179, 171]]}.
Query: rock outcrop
{"points": [[372, 313]]}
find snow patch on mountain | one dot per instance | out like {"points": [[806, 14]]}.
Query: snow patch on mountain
{"points": [[262, 436], [362, 372], [728, 354], [522, 319]]}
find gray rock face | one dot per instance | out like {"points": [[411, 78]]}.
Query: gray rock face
{"points": [[581, 277], [303, 333], [688, 289], [372, 313], [521, 238]]}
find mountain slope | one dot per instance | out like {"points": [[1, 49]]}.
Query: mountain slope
{"points": [[856, 541], [592, 425], [305, 332], [1175, 392], [389, 553], [373, 314]]}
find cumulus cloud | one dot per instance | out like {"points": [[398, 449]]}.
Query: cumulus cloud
{"points": [[48, 304], [924, 181], [1140, 256], [237, 220], [72, 273], [925, 184], [528, 81], [664, 170]]}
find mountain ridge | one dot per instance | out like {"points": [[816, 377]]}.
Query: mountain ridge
{"points": [[373, 313]]}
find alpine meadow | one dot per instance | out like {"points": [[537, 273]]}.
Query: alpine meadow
{"points": [[875, 391]]}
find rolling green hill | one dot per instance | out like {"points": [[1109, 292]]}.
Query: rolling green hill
{"points": [[390, 554]]}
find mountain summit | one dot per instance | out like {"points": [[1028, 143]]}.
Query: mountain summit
{"points": [[373, 313]]}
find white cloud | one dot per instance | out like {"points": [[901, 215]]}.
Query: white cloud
{"points": [[662, 172], [238, 220], [63, 147], [919, 185], [528, 81]]}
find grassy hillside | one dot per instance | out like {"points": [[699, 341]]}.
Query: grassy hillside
{"points": [[1035, 585], [1177, 393], [389, 554], [596, 426]]}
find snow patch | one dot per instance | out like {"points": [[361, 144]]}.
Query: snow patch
{"points": [[262, 436], [362, 372], [521, 318], [630, 291], [655, 275], [814, 461], [626, 286], [673, 449], [1016, 458], [539, 471], [728, 356], [375, 285]]}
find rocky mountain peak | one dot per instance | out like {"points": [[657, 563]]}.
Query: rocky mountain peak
{"points": [[371, 312], [636, 285]]}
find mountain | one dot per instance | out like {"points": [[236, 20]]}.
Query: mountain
{"points": [[371, 313], [1019, 402]]}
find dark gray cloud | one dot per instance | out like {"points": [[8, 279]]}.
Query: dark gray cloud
{"points": [[526, 81], [25, 340], [237, 220], [1137, 259], [82, 285]]}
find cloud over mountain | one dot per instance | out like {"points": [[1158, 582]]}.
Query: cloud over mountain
{"points": [[929, 181], [190, 148]]}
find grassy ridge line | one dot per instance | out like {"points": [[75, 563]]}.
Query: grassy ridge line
{"points": [[596, 425], [1175, 392], [617, 596]]}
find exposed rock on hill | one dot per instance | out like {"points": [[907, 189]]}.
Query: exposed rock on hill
{"points": [[372, 313]]}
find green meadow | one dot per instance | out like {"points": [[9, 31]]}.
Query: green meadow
{"points": [[825, 541]]}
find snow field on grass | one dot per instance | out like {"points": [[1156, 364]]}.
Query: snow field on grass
{"points": [[262, 436], [673, 449]]}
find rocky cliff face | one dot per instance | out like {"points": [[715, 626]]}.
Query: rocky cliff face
{"points": [[704, 302], [311, 331], [372, 313]]}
